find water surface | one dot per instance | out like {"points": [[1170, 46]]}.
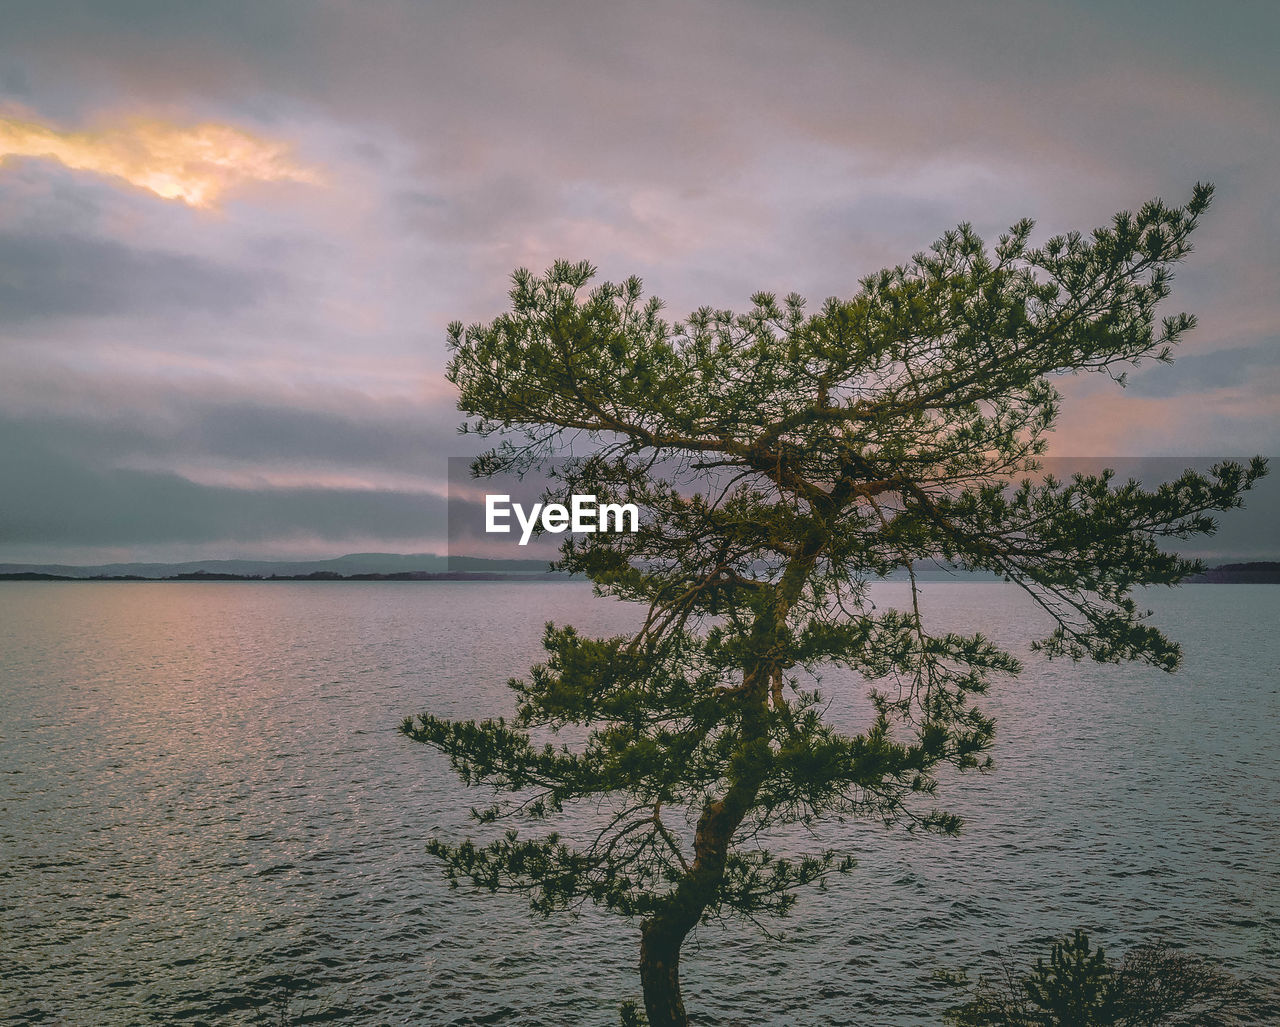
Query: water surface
{"points": [[202, 792]]}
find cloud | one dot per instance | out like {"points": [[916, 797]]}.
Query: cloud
{"points": [[714, 148], [49, 276], [144, 465], [193, 164], [67, 500], [1255, 369], [1098, 418]]}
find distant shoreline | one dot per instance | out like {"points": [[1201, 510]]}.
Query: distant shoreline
{"points": [[198, 576], [1255, 573], [1259, 572]]}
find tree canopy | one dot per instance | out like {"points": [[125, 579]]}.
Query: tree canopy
{"points": [[783, 460]]}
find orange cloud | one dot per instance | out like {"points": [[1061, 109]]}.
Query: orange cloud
{"points": [[194, 164]]}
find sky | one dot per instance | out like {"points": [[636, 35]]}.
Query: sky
{"points": [[232, 234]]}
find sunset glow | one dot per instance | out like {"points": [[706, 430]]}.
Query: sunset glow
{"points": [[194, 164]]}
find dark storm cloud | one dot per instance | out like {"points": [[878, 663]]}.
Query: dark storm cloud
{"points": [[321, 434], [68, 276], [1252, 367], [66, 501], [394, 439]]}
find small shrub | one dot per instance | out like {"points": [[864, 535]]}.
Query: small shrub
{"points": [[1152, 986], [631, 1015]]}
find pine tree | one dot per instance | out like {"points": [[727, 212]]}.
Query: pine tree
{"points": [[784, 460], [1076, 987]]}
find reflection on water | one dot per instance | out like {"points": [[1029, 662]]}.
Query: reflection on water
{"points": [[202, 791]]}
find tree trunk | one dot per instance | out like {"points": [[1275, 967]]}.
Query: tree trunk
{"points": [[662, 935], [660, 975]]}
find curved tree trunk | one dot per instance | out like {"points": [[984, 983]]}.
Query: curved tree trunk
{"points": [[662, 934]]}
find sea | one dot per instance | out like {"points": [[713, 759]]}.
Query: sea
{"points": [[208, 816]]}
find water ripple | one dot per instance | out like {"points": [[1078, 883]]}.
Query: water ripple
{"points": [[205, 801]]}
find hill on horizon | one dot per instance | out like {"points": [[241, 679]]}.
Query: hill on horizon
{"points": [[1261, 572], [352, 563]]}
